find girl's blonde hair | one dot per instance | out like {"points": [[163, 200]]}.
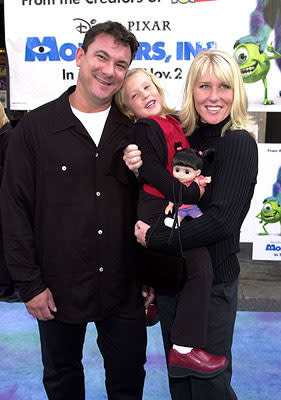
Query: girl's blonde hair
{"points": [[119, 96], [227, 70], [3, 117]]}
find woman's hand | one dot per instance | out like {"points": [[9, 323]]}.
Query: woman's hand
{"points": [[140, 232], [132, 158]]}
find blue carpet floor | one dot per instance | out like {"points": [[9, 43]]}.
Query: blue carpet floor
{"points": [[256, 358]]}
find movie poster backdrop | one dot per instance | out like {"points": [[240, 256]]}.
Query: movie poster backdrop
{"points": [[42, 37]]}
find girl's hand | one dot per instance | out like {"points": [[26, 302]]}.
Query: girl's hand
{"points": [[148, 294], [169, 208]]}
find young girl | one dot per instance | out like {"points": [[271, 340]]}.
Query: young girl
{"points": [[158, 136]]}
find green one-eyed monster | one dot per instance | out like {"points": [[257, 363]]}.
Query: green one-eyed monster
{"points": [[270, 213], [254, 65]]}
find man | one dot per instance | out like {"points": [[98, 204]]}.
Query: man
{"points": [[68, 225]]}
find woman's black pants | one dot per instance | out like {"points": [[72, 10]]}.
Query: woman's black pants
{"points": [[222, 314]]}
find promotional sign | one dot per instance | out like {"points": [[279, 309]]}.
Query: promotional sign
{"points": [[43, 35], [262, 225]]}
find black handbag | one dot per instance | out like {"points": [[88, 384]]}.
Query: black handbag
{"points": [[163, 270]]}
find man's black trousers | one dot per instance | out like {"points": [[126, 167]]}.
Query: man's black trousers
{"points": [[122, 342]]}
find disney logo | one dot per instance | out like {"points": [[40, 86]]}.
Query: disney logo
{"points": [[83, 25]]}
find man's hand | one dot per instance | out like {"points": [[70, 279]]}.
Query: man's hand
{"points": [[148, 294], [132, 158], [40, 306], [140, 232]]}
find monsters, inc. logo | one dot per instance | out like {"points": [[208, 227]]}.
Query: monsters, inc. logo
{"points": [[47, 48], [272, 247]]}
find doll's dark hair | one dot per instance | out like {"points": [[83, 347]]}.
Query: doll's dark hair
{"points": [[192, 158]]}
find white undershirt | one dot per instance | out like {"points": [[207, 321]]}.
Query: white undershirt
{"points": [[93, 122]]}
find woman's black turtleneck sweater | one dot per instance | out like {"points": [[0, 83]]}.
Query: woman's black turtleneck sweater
{"points": [[225, 203]]}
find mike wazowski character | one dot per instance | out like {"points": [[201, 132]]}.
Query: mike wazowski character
{"points": [[271, 209], [265, 19], [254, 65], [270, 213]]}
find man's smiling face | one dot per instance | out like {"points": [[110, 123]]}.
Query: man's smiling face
{"points": [[102, 70]]}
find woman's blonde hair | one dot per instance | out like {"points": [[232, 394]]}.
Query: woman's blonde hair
{"points": [[119, 97], [227, 70], [3, 117]]}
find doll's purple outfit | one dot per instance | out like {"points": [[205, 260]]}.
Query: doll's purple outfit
{"points": [[191, 210]]}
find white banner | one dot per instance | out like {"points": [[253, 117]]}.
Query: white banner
{"points": [[42, 37], [262, 225]]}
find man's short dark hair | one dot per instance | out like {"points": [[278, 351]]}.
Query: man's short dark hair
{"points": [[115, 29]]}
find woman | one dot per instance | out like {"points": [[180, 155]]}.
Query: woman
{"points": [[214, 115]]}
